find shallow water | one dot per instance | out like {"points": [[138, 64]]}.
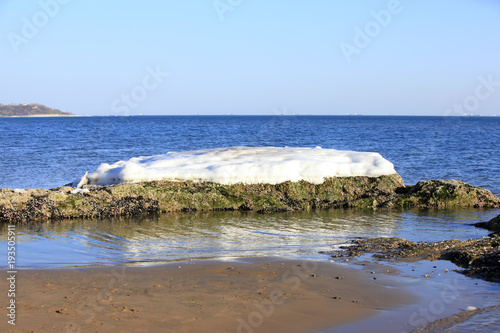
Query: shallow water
{"points": [[440, 296], [483, 322], [227, 234]]}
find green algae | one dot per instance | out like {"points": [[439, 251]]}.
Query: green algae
{"points": [[169, 196]]}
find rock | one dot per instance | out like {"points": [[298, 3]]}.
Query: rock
{"points": [[492, 225], [479, 257], [64, 189], [444, 194], [134, 199]]}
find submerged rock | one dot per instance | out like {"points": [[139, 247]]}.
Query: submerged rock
{"points": [[492, 225], [135, 199], [479, 257]]}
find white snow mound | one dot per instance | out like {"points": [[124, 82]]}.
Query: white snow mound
{"points": [[247, 165]]}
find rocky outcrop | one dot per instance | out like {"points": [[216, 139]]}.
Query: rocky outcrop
{"points": [[492, 225], [444, 194], [479, 257], [167, 196]]}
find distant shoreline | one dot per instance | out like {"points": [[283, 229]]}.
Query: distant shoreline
{"points": [[251, 115], [31, 110], [43, 116]]}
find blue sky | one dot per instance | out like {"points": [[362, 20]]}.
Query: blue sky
{"points": [[252, 56]]}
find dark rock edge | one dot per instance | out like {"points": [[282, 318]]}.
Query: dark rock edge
{"points": [[478, 257], [491, 225]]}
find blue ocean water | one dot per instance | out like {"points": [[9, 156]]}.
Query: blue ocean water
{"points": [[50, 152]]}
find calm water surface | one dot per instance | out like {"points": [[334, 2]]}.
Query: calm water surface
{"points": [[227, 234]]}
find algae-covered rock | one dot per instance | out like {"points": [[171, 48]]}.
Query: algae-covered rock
{"points": [[445, 194], [134, 199]]}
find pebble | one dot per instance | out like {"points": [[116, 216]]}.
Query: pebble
{"points": [[471, 308]]}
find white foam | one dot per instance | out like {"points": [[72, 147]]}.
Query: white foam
{"points": [[79, 190], [248, 165]]}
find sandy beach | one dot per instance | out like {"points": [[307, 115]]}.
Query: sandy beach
{"points": [[247, 295]]}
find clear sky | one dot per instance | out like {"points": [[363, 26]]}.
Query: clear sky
{"points": [[122, 57]]}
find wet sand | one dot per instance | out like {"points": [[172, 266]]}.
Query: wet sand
{"points": [[246, 295]]}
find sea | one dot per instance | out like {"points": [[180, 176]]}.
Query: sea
{"points": [[54, 151], [50, 152]]}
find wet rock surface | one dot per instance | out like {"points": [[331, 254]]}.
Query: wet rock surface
{"points": [[492, 225], [156, 197], [478, 257], [443, 194]]}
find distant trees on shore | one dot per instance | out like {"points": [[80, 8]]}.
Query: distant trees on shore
{"points": [[20, 110]]}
